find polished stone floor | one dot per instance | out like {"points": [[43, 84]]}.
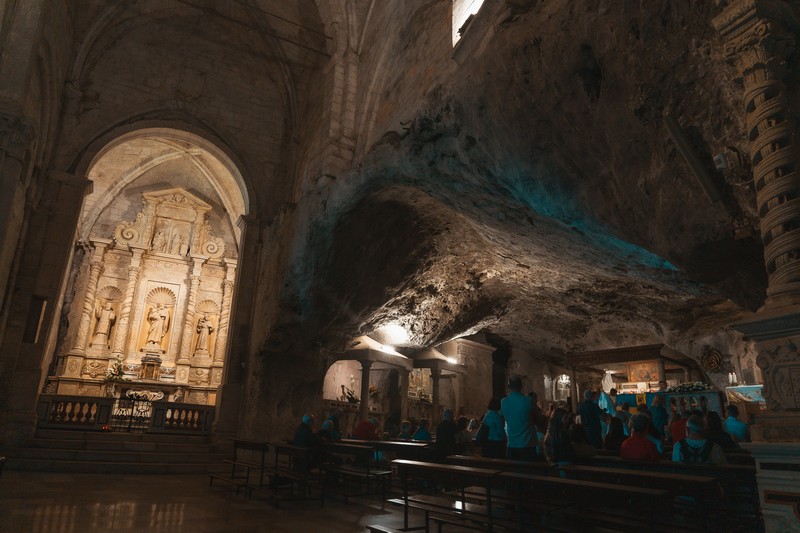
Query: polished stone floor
{"points": [[34, 502]]}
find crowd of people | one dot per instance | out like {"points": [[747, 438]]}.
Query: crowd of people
{"points": [[520, 428]]}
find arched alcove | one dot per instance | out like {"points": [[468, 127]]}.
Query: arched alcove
{"points": [[153, 277]]}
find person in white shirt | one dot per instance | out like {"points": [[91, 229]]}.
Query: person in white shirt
{"points": [[737, 429]]}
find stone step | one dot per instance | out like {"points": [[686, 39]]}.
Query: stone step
{"points": [[65, 434], [95, 467], [110, 445], [101, 456]]}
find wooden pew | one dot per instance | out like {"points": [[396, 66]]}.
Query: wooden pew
{"points": [[398, 449], [447, 509], [505, 465], [572, 504], [740, 507], [248, 457], [350, 462], [296, 468]]}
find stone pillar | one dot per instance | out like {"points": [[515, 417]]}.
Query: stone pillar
{"points": [[123, 324], [759, 37], [662, 370], [16, 139], [402, 375], [363, 407], [686, 375], [436, 376], [573, 390]]}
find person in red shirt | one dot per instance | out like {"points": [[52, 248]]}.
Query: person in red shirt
{"points": [[678, 427], [638, 447], [367, 430]]}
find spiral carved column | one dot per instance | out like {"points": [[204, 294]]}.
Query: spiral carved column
{"points": [[758, 41], [225, 313], [95, 269], [759, 38], [188, 322], [125, 313]]}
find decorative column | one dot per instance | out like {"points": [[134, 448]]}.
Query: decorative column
{"points": [[363, 406], [221, 343], [662, 370], [759, 37], [184, 362], [76, 355], [436, 375], [123, 325], [758, 40]]}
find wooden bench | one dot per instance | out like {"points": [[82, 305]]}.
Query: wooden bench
{"points": [[248, 457], [398, 449], [740, 507], [505, 465], [349, 462], [297, 475], [559, 496], [382, 529], [446, 508]]}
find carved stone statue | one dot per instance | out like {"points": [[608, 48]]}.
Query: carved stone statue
{"points": [[204, 329], [105, 320], [159, 242], [158, 317]]}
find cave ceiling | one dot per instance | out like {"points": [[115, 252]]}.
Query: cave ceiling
{"points": [[539, 197]]}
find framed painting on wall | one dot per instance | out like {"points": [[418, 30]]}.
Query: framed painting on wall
{"points": [[643, 371]]}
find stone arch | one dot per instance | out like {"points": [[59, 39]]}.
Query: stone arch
{"points": [[169, 136]]}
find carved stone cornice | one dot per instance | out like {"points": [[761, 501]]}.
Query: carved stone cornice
{"points": [[767, 27]]}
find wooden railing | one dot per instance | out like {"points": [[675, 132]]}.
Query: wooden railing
{"points": [[130, 415]]}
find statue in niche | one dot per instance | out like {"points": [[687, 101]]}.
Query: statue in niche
{"points": [[204, 330], [158, 317], [176, 244], [183, 248], [105, 320], [159, 242]]}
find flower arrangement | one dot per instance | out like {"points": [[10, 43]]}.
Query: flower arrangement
{"points": [[116, 371], [695, 386], [374, 393]]}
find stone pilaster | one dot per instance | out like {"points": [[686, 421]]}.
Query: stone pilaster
{"points": [[123, 325]]}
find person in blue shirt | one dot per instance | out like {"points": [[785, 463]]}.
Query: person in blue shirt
{"points": [[518, 411], [422, 432]]}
